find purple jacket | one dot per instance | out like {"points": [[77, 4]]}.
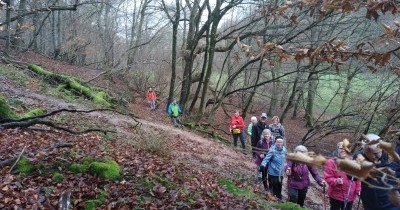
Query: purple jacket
{"points": [[263, 145], [299, 178]]}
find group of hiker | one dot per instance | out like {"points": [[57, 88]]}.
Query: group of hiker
{"points": [[174, 109], [268, 142]]}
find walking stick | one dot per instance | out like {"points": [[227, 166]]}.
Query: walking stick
{"points": [[348, 193], [323, 188], [358, 205]]}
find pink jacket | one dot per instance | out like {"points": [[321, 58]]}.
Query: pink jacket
{"points": [[339, 191]]}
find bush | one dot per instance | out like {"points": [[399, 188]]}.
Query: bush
{"points": [[152, 143], [58, 177]]}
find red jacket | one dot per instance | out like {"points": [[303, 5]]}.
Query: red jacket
{"points": [[151, 95], [339, 191], [238, 121]]}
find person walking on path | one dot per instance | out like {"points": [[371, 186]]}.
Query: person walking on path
{"points": [[277, 128], [373, 197], [236, 127], [256, 132], [298, 178], [174, 111], [263, 147], [342, 189], [274, 161], [151, 98], [253, 121]]}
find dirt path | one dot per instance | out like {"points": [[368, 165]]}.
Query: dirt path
{"points": [[195, 150]]}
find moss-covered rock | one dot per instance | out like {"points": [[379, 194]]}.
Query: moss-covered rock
{"points": [[108, 169], [24, 166], [5, 110]]}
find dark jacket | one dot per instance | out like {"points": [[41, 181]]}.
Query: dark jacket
{"points": [[256, 132], [374, 198]]}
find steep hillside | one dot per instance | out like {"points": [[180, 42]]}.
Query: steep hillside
{"points": [[161, 166]]}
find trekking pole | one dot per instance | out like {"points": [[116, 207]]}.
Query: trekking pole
{"points": [[324, 192], [358, 204], [348, 194]]}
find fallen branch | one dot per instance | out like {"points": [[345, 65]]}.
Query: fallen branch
{"points": [[29, 123], [19, 157], [7, 162], [65, 201]]}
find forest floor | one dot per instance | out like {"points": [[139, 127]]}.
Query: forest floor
{"points": [[185, 170]]}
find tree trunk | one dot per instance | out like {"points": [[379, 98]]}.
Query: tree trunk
{"points": [[8, 27], [19, 41], [311, 91], [175, 25], [273, 93], [289, 105]]}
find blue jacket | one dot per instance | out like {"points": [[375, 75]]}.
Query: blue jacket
{"points": [[276, 159]]}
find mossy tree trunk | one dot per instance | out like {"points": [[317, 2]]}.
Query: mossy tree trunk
{"points": [[99, 97]]}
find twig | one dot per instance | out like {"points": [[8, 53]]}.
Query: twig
{"points": [[19, 157]]}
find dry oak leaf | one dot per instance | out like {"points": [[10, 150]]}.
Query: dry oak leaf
{"points": [[390, 149], [352, 167], [319, 160]]}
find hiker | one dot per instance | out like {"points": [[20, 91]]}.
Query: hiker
{"points": [[263, 146], [256, 132], [298, 178], [372, 197], [174, 111], [338, 146], [342, 189], [253, 121], [151, 98], [277, 128], [236, 127], [274, 161]]}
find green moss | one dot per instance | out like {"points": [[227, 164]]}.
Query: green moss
{"points": [[39, 70], [232, 188], [91, 204], [102, 197], [58, 177], [5, 111], [287, 206], [100, 98], [78, 168], [108, 169], [24, 166], [34, 113]]}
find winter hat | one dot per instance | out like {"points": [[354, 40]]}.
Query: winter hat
{"points": [[264, 115]]}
